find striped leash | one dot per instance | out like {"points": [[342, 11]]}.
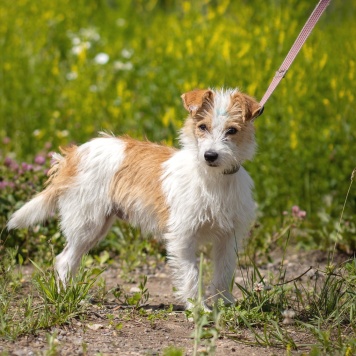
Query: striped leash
{"points": [[297, 45]]}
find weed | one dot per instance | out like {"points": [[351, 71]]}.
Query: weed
{"points": [[310, 116], [206, 324], [155, 315], [327, 306], [64, 301], [135, 300], [172, 351], [50, 86], [52, 344], [45, 305]]}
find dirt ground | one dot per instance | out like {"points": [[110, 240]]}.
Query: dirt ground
{"points": [[138, 336]]}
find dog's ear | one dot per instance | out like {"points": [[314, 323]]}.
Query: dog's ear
{"points": [[193, 100], [251, 108]]}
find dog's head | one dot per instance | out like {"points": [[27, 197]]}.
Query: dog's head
{"points": [[220, 127]]}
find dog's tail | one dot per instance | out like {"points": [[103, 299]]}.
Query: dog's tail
{"points": [[44, 204], [35, 211]]}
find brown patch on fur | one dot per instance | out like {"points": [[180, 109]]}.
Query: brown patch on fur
{"points": [[199, 103], [194, 100], [62, 172], [189, 128], [139, 179], [248, 106], [242, 110], [207, 121], [245, 134]]}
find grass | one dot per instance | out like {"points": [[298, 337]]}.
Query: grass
{"points": [[324, 306], [121, 66], [204, 328], [56, 90], [270, 312], [46, 304]]}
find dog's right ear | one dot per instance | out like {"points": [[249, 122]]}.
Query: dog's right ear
{"points": [[193, 100]]}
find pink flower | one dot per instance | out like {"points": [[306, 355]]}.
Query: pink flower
{"points": [[6, 140], [302, 214], [3, 184], [8, 161], [40, 160], [295, 210], [14, 166], [298, 213], [26, 167]]}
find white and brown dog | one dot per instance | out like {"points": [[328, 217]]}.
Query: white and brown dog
{"points": [[197, 194]]}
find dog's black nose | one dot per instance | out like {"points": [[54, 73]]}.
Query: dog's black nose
{"points": [[211, 156]]}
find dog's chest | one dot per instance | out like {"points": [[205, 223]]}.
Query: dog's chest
{"points": [[197, 201]]}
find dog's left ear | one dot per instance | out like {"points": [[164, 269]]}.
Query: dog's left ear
{"points": [[193, 100], [251, 108]]}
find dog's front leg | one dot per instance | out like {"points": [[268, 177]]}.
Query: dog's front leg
{"points": [[224, 259], [182, 259]]}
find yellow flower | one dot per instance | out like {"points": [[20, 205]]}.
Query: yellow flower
{"points": [[323, 61], [168, 116], [186, 6], [326, 102]]}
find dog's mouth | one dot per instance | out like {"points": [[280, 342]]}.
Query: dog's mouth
{"points": [[234, 169], [231, 170], [211, 164]]}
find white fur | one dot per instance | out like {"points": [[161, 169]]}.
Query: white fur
{"points": [[35, 211], [86, 209], [205, 205]]}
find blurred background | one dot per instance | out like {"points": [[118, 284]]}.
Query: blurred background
{"points": [[69, 69]]}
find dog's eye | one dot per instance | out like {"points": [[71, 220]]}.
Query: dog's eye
{"points": [[202, 127], [231, 131]]}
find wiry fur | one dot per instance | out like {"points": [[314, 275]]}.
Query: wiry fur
{"points": [[177, 194]]}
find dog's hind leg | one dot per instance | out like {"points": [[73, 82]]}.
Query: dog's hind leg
{"points": [[80, 239]]}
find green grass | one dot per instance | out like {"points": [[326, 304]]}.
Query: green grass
{"points": [[324, 306], [46, 303], [53, 92], [271, 311]]}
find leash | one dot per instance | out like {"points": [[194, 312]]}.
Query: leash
{"points": [[297, 45]]}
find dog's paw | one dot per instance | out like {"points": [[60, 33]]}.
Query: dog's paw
{"points": [[191, 305]]}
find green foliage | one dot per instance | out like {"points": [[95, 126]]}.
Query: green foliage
{"points": [[132, 247], [172, 351], [325, 306], [136, 299], [69, 69], [52, 345], [121, 66], [322, 304], [206, 326], [58, 305], [157, 315], [64, 300], [20, 181]]}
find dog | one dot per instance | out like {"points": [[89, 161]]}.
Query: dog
{"points": [[197, 194]]}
